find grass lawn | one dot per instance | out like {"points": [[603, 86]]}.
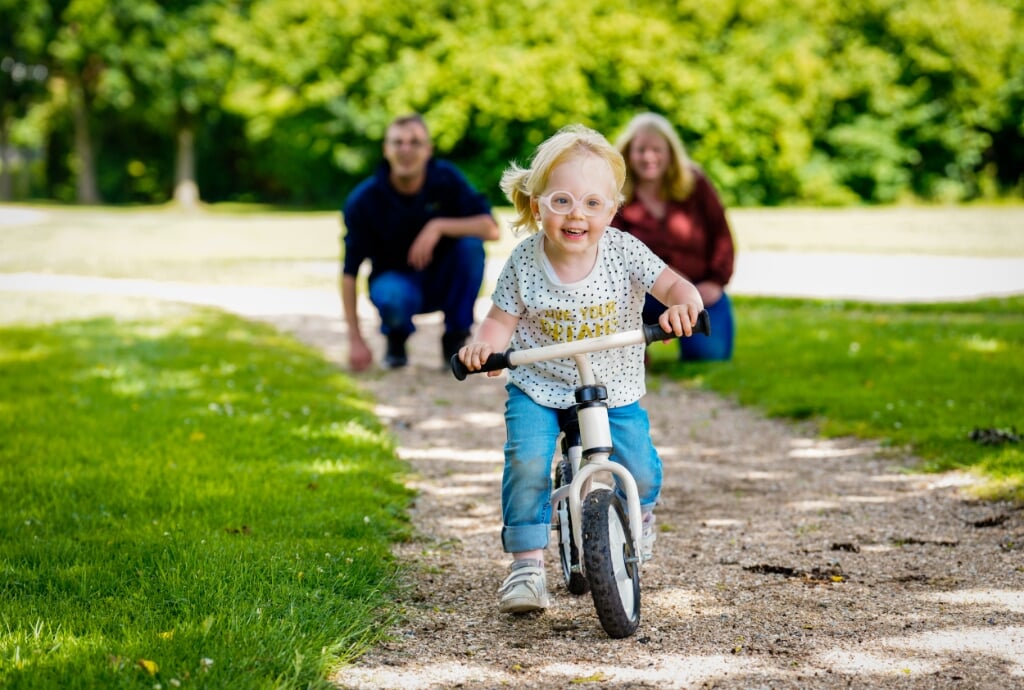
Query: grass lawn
{"points": [[920, 377], [195, 501]]}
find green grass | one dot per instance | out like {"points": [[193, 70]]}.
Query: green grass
{"points": [[919, 377], [191, 502]]}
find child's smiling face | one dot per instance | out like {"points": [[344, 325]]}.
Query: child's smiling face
{"points": [[589, 181]]}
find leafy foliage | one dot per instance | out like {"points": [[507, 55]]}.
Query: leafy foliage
{"points": [[781, 100]]}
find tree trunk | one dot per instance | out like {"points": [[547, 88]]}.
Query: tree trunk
{"points": [[88, 191], [5, 165], [186, 191]]}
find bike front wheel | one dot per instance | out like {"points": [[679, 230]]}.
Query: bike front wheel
{"points": [[612, 566]]}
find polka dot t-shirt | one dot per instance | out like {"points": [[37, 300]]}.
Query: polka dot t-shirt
{"points": [[609, 300]]}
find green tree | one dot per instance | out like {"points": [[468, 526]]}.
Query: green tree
{"points": [[302, 73], [919, 97], [84, 29], [23, 72], [176, 68], [780, 100]]}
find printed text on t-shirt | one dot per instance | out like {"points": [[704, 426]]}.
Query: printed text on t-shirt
{"points": [[566, 325]]}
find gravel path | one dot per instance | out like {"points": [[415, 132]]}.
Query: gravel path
{"points": [[783, 560]]}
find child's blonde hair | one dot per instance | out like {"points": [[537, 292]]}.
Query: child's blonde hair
{"points": [[522, 184], [679, 178]]}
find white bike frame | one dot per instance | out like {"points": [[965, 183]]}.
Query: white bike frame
{"points": [[595, 432]]}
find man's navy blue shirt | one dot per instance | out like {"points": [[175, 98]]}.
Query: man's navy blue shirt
{"points": [[381, 224]]}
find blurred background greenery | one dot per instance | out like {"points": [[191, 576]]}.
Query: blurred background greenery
{"points": [[286, 101]]}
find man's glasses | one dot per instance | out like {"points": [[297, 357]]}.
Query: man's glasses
{"points": [[410, 143], [564, 203]]}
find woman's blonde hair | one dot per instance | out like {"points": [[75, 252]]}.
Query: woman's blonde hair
{"points": [[679, 178], [522, 184]]}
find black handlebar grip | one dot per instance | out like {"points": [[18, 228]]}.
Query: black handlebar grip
{"points": [[496, 361], [703, 323], [653, 331]]}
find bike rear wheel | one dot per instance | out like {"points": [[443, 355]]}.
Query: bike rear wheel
{"points": [[612, 567], [568, 551]]}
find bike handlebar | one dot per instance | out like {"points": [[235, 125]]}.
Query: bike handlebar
{"points": [[649, 333], [495, 362], [653, 331]]}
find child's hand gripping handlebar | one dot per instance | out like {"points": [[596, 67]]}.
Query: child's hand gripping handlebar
{"points": [[511, 358], [653, 331]]}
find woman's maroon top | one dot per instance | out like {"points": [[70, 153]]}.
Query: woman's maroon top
{"points": [[693, 237]]}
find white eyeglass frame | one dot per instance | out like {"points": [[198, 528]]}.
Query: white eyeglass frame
{"points": [[606, 204]]}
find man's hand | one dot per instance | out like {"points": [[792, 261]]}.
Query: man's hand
{"points": [[359, 355], [421, 253]]}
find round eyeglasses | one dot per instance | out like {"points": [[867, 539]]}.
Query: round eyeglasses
{"points": [[564, 203]]}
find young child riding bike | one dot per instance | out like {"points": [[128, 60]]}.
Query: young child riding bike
{"points": [[573, 277]]}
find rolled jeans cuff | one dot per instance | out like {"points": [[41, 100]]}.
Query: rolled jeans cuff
{"points": [[525, 537]]}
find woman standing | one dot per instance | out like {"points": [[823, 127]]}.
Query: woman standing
{"points": [[674, 209]]}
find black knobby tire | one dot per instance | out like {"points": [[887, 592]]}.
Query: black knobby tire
{"points": [[612, 568], [568, 552]]}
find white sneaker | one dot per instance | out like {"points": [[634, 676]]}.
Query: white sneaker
{"points": [[525, 589], [648, 538]]}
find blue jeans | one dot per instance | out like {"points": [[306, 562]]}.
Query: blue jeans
{"points": [[717, 346], [450, 284], [526, 484]]}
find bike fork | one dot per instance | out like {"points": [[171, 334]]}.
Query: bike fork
{"points": [[593, 457]]}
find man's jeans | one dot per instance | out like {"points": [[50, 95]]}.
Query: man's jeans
{"points": [[450, 284], [526, 485]]}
